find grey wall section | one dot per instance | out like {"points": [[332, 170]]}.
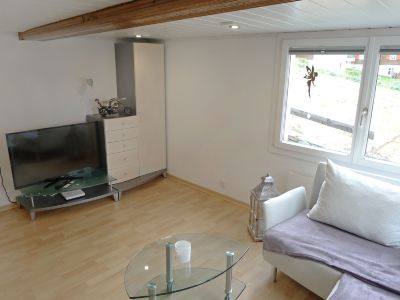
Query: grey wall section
{"points": [[125, 74]]}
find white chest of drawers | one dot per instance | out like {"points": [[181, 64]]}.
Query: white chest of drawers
{"points": [[135, 146], [122, 153]]}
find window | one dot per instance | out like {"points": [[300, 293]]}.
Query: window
{"points": [[322, 98], [384, 144], [342, 102]]}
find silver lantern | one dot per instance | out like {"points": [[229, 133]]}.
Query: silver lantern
{"points": [[261, 193]]}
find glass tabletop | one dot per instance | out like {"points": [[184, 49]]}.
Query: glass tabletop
{"points": [[88, 177], [208, 260]]}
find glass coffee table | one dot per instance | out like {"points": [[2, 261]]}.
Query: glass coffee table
{"points": [[157, 273]]}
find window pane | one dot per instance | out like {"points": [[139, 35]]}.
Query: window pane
{"points": [[384, 138], [321, 108]]}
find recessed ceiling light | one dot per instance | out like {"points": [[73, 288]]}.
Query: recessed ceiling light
{"points": [[230, 25], [138, 36]]}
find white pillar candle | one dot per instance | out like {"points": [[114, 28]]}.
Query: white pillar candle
{"points": [[183, 251]]}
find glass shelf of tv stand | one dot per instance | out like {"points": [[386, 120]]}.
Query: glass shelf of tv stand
{"points": [[95, 183], [90, 178]]}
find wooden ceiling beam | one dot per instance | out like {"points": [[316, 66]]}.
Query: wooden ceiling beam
{"points": [[138, 13]]}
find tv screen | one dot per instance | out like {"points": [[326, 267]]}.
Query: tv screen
{"points": [[41, 154]]}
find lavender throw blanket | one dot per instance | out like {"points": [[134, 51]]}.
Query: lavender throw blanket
{"points": [[365, 260], [351, 288]]}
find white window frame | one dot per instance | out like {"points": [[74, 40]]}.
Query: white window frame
{"points": [[376, 45], [355, 158]]}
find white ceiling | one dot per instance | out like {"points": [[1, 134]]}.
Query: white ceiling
{"points": [[305, 15]]}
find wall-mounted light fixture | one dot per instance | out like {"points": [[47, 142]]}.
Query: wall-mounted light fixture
{"points": [[89, 82]]}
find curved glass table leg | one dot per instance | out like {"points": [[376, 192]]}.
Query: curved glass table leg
{"points": [[152, 291], [169, 247], [228, 275]]}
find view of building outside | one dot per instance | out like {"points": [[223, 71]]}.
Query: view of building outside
{"points": [[326, 118]]}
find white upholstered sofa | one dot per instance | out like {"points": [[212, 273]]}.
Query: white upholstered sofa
{"points": [[317, 277], [351, 223]]}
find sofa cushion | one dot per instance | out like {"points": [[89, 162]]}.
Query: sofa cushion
{"points": [[348, 253], [359, 204]]}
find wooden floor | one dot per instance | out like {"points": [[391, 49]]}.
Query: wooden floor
{"points": [[81, 252]]}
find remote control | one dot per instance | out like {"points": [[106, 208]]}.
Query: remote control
{"points": [[67, 185]]}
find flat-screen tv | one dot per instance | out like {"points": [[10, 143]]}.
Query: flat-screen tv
{"points": [[41, 154]]}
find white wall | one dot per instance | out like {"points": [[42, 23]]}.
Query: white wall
{"points": [[221, 99], [219, 106], [219, 102], [42, 84]]}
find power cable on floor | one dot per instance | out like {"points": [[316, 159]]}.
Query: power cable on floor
{"points": [[4, 188]]}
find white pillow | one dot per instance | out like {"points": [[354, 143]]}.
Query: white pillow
{"points": [[362, 205]]}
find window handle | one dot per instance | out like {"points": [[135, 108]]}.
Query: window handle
{"points": [[364, 113]]}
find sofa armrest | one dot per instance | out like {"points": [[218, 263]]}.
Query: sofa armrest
{"points": [[283, 207]]}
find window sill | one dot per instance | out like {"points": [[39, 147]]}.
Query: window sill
{"points": [[368, 167], [306, 153]]}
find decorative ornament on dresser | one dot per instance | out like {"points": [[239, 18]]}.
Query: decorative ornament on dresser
{"points": [[110, 107], [261, 193]]}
